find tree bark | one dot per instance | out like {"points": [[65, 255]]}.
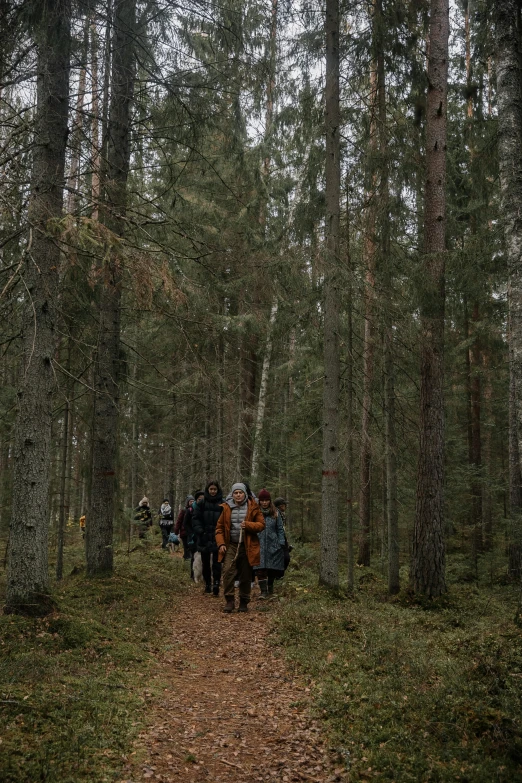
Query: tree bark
{"points": [[99, 530], [261, 404], [28, 577], [64, 461], [370, 253], [349, 409], [329, 570], [73, 199], [391, 465], [509, 98], [428, 555], [515, 482]]}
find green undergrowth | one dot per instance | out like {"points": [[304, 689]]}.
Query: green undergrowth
{"points": [[411, 691], [74, 686]]}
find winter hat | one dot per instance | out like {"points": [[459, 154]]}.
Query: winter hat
{"points": [[279, 502], [198, 494], [264, 495], [189, 497], [144, 502], [238, 486]]}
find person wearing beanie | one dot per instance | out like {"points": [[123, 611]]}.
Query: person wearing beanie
{"points": [[237, 539], [190, 544], [166, 522], [143, 517], [204, 524], [272, 542]]}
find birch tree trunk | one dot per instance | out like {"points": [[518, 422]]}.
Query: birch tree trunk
{"points": [[329, 571], [428, 555], [99, 529], [28, 577], [509, 99]]}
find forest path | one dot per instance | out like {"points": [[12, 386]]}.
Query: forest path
{"points": [[233, 712]]}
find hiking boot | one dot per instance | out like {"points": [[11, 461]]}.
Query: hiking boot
{"points": [[208, 588], [263, 586], [229, 606], [215, 589], [270, 588], [243, 605]]}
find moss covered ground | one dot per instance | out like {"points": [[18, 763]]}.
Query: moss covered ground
{"points": [[405, 690], [74, 686], [409, 690]]}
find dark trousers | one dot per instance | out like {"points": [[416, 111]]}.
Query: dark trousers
{"points": [[268, 573], [242, 567], [166, 530], [186, 550], [211, 572]]}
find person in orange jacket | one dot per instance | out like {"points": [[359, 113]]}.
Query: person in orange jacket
{"points": [[238, 545]]}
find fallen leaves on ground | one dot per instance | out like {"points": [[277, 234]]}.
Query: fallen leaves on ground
{"points": [[233, 711]]}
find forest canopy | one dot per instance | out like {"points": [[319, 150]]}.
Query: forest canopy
{"points": [[267, 241]]}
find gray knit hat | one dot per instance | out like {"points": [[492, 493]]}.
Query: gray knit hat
{"points": [[238, 486]]}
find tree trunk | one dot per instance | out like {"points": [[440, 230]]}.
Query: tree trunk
{"points": [[515, 483], [95, 122], [476, 439], [391, 465], [474, 353], [349, 409], [73, 196], [509, 99], [99, 530], [487, 511], [28, 577], [428, 555], [329, 571], [64, 462], [261, 405], [63, 477], [370, 251]]}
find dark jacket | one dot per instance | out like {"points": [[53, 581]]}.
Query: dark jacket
{"points": [[179, 527], [205, 519]]}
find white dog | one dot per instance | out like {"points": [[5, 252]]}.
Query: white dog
{"points": [[197, 568]]}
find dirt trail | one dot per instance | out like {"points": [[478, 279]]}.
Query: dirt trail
{"points": [[233, 713]]}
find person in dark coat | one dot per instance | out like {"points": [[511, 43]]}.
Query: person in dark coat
{"points": [[204, 523], [166, 522], [272, 539], [189, 528], [179, 527]]}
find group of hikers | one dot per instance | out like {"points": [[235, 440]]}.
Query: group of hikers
{"points": [[240, 538]]}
